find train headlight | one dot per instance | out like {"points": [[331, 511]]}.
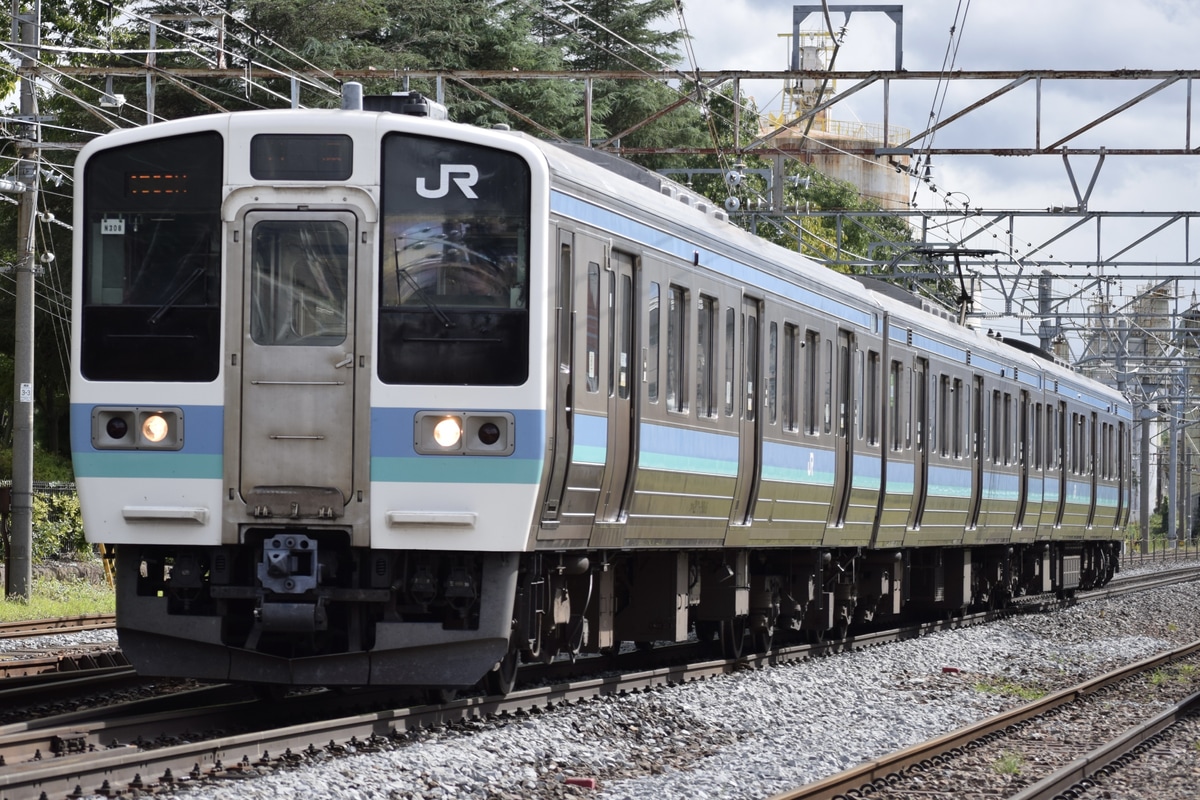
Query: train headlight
{"points": [[131, 428], [464, 433], [448, 432], [155, 428]]}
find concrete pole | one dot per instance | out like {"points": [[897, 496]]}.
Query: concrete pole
{"points": [[20, 573], [1172, 516], [1144, 500]]}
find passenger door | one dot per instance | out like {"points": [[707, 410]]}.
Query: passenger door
{"points": [[843, 427], [298, 363], [621, 377], [975, 444], [750, 430], [920, 413]]}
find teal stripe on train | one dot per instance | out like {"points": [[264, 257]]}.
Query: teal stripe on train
{"points": [[143, 464], [456, 469]]}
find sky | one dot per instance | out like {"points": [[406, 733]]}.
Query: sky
{"points": [[1010, 35]]}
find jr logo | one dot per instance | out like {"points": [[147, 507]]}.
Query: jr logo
{"points": [[468, 175]]}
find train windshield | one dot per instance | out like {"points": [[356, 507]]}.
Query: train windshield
{"points": [[151, 261], [455, 264]]}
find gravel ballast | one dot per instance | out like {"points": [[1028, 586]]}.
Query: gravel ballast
{"points": [[757, 732]]}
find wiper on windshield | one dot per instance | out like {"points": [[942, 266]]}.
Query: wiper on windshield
{"points": [[170, 302], [402, 272]]}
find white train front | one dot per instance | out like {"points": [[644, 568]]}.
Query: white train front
{"points": [[366, 398]]}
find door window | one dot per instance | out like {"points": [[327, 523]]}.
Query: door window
{"points": [[299, 272]]}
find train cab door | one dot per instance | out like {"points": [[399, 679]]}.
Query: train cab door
{"points": [[920, 412], [619, 293], [750, 431], [843, 427], [298, 367], [580, 454], [559, 422]]}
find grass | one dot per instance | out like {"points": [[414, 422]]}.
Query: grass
{"points": [[1010, 689], [58, 598], [1009, 764], [1182, 673]]}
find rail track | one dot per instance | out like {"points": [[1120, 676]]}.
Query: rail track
{"points": [[39, 627], [36, 660], [960, 754], [121, 748]]}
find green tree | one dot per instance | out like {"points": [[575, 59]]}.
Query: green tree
{"points": [[611, 35]]}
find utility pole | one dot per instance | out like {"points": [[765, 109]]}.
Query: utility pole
{"points": [[26, 30], [1144, 417]]}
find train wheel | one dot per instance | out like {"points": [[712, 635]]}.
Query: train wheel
{"points": [[733, 637], [503, 676], [764, 640]]}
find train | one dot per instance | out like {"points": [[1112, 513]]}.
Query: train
{"points": [[364, 396]]}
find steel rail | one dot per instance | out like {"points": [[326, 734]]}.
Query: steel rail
{"points": [[1109, 755], [884, 770], [20, 629]]}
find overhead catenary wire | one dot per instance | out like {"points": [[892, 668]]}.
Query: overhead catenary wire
{"points": [[245, 36]]}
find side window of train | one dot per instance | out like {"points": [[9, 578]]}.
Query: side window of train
{"points": [[860, 405], [750, 360], [676, 349], [1073, 447], [1053, 454], [730, 334], [593, 327], [652, 344], [564, 308], [611, 306], [772, 373], [895, 381], [944, 401], [1036, 439], [625, 339], [1091, 436], [975, 417], [706, 357], [997, 434], [961, 401], [812, 357], [1009, 433], [828, 389], [789, 391], [872, 392]]}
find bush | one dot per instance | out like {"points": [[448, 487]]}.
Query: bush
{"points": [[47, 467], [57, 527]]}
